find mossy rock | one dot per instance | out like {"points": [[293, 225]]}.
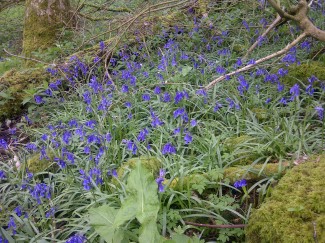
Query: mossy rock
{"points": [[301, 73], [152, 164], [295, 210], [261, 114], [35, 164], [15, 83]]}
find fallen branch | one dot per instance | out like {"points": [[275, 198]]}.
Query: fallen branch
{"points": [[217, 226], [261, 60]]}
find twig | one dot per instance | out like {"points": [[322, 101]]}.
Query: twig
{"points": [[271, 26], [26, 58], [261, 60], [217, 226], [315, 232]]}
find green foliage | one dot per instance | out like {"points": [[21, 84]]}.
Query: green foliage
{"points": [[141, 203]]}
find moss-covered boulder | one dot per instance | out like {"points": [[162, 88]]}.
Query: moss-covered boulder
{"points": [[35, 164], [15, 85], [295, 210]]}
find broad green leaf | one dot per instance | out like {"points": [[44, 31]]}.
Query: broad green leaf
{"points": [[149, 232], [127, 212], [102, 219], [143, 192], [186, 70]]}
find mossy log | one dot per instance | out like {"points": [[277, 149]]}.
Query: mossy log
{"points": [[295, 209], [14, 83]]}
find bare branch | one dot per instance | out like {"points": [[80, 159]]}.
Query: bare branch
{"points": [[217, 226], [279, 10], [261, 60]]}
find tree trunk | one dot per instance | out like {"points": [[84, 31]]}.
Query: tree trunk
{"points": [[43, 20]]}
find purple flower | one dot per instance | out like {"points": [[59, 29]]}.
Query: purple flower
{"points": [[127, 104], [217, 107], [143, 134], [166, 97], [125, 88], [43, 154], [320, 111], [282, 72], [30, 146], [86, 181], [294, 91], [12, 225], [112, 172], [2, 175], [168, 148], [60, 162], [157, 90], [38, 99], [87, 97], [3, 144], [160, 180], [130, 145], [240, 183], [40, 190], [178, 112], [66, 137], [193, 123], [77, 238], [50, 213], [102, 45], [146, 97], [18, 211], [177, 131], [188, 138], [220, 70]]}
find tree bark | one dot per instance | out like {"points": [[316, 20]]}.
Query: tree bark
{"points": [[43, 20]]}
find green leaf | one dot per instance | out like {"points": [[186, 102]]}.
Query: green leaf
{"points": [[102, 219], [6, 95], [149, 232], [186, 70], [143, 192]]}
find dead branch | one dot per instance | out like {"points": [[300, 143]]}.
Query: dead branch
{"points": [[298, 14], [217, 226], [261, 60]]}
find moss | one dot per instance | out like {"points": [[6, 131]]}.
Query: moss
{"points": [[16, 83], [150, 163], [295, 209], [43, 21], [35, 164], [261, 114], [301, 73]]}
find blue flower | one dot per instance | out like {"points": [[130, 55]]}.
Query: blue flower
{"points": [[166, 97], [87, 97], [178, 112], [168, 148], [3, 144], [193, 123], [112, 172], [188, 138], [102, 45], [240, 183], [157, 90], [143, 134], [160, 180], [86, 181], [38, 99], [43, 154], [18, 211], [146, 97], [60, 162], [40, 190], [66, 137], [2, 175], [294, 91], [12, 225], [77, 238], [320, 111], [125, 88], [177, 131], [50, 213], [130, 145]]}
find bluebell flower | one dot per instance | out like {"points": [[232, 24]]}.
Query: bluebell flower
{"points": [[178, 112], [99, 154], [178, 97], [96, 174], [18, 211], [60, 162], [320, 111], [246, 25], [168, 148], [44, 137], [112, 172], [96, 87], [73, 123], [43, 154], [155, 120], [289, 58], [282, 72], [38, 99], [177, 131], [52, 71], [91, 124], [70, 157], [2, 175], [40, 190], [273, 78], [217, 107], [146, 97], [201, 92], [87, 97], [48, 92], [294, 91], [102, 45], [268, 100], [157, 90], [77, 238], [50, 213], [280, 87], [220, 70], [160, 180], [3, 144], [193, 123], [125, 88], [108, 137], [12, 225], [283, 101], [240, 183], [166, 97], [243, 85], [86, 181], [130, 145], [127, 104], [143, 134], [3, 240], [94, 138], [188, 138], [66, 137]]}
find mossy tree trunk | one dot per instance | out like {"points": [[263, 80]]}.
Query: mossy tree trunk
{"points": [[43, 20]]}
